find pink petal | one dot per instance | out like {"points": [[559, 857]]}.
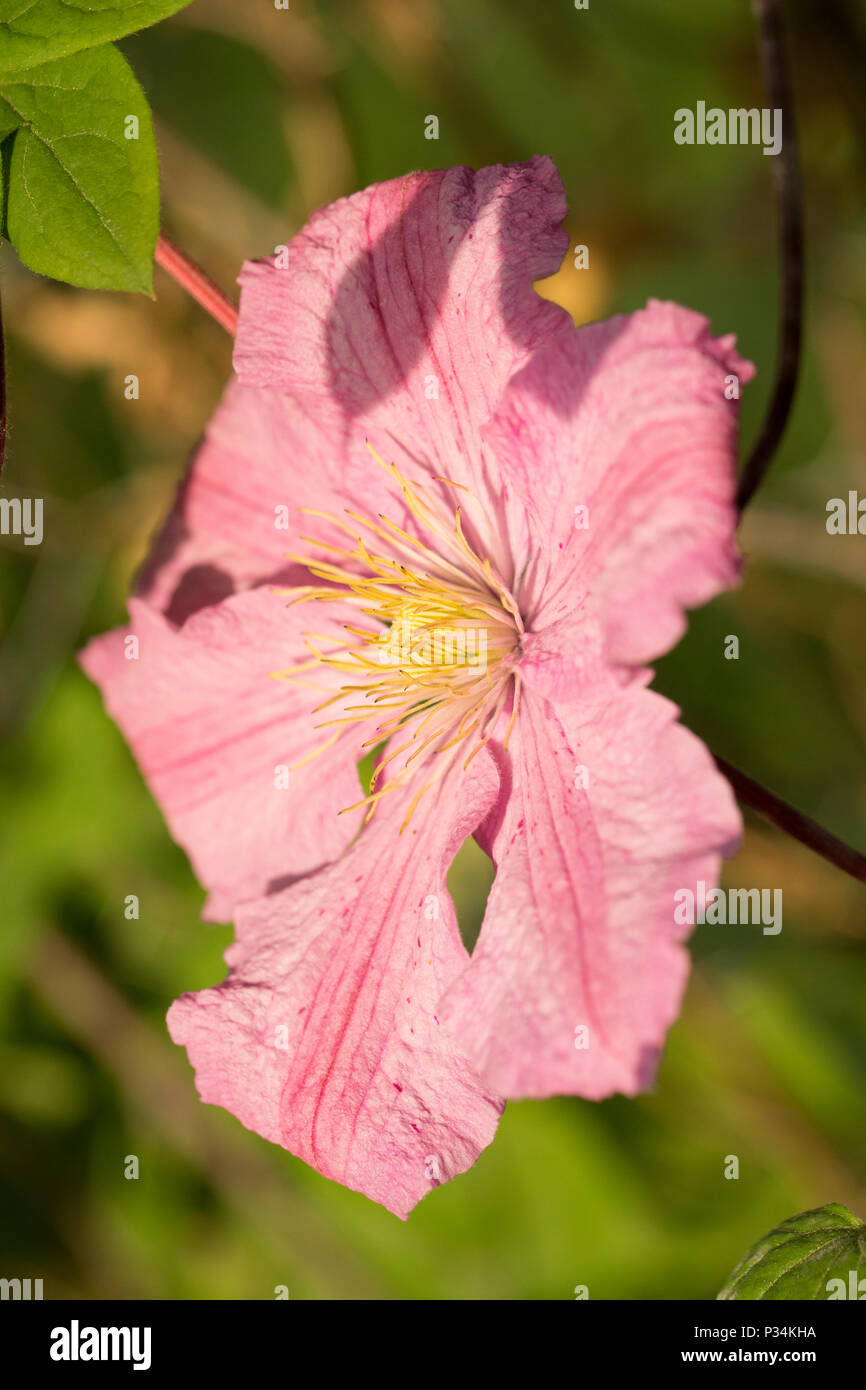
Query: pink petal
{"points": [[237, 512], [579, 930], [209, 728], [325, 1036], [629, 419], [418, 285], [427, 274]]}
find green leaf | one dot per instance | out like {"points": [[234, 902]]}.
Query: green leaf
{"points": [[83, 200], [32, 32], [798, 1259]]}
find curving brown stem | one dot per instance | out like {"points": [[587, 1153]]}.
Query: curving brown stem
{"points": [[793, 822], [195, 282], [789, 198]]}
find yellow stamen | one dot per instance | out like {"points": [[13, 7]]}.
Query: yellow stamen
{"points": [[441, 649]]}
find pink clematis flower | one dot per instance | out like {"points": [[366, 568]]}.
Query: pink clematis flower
{"points": [[432, 514]]}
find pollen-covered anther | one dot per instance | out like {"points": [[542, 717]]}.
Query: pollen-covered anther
{"points": [[435, 646]]}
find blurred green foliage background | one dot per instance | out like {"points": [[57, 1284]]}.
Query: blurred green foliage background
{"points": [[262, 115]]}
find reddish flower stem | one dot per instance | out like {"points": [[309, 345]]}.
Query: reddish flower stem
{"points": [[195, 282]]}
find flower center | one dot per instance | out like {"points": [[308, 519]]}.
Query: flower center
{"points": [[434, 651]]}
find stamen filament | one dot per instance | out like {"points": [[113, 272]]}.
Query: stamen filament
{"points": [[438, 655]]}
